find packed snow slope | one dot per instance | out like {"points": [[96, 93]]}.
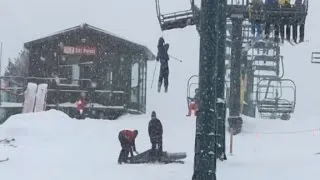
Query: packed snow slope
{"points": [[52, 146]]}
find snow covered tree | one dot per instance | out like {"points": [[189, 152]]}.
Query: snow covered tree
{"points": [[18, 66]]}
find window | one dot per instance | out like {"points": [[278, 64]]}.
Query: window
{"points": [[135, 75], [142, 85], [134, 82], [75, 74], [69, 70]]}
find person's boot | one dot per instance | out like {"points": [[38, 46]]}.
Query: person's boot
{"points": [[166, 89], [196, 113], [301, 40], [120, 158], [159, 87]]}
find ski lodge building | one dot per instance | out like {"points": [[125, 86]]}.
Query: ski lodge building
{"points": [[84, 60]]}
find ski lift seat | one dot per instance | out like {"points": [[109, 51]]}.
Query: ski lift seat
{"points": [[292, 14], [265, 68], [179, 19], [274, 102], [265, 58], [265, 76], [178, 15], [271, 110], [263, 45], [273, 106]]}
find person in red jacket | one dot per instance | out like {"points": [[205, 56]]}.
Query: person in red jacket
{"points": [[127, 140], [80, 105], [194, 103]]}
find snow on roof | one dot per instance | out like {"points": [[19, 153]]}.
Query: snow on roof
{"points": [[85, 25]]}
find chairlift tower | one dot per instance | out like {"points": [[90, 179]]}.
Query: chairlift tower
{"points": [[235, 58]]}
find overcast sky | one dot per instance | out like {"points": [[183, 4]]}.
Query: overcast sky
{"points": [[23, 21], [26, 20]]}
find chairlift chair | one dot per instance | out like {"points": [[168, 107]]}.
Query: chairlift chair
{"points": [[268, 66], [272, 100], [193, 81], [179, 19]]}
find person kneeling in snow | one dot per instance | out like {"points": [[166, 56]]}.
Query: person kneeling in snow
{"points": [[194, 104], [127, 140]]}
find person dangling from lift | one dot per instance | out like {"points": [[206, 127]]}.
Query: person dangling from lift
{"points": [[194, 103], [163, 57]]}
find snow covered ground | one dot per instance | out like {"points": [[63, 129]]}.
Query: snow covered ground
{"points": [[52, 146]]}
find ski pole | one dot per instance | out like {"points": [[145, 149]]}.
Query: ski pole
{"points": [[155, 67], [175, 58]]}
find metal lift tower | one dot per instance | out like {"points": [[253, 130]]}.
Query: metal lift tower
{"points": [[211, 22]]}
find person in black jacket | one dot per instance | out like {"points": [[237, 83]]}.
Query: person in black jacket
{"points": [[163, 57], [155, 133]]}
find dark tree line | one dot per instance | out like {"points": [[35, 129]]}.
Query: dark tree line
{"points": [[13, 83], [18, 66]]}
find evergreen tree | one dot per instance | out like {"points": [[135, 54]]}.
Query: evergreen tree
{"points": [[16, 67]]}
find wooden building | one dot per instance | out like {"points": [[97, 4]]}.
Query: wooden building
{"points": [[110, 70]]}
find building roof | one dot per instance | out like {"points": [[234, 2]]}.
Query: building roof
{"points": [[145, 50]]}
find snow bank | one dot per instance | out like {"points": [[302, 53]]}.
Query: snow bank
{"points": [[36, 124]]}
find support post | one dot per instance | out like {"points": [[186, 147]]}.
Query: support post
{"points": [[1, 71], [249, 109], [220, 86], [231, 142], [235, 120], [205, 142]]}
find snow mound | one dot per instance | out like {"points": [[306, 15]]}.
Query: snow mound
{"points": [[46, 123]]}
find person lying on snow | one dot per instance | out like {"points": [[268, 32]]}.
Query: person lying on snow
{"points": [[155, 131], [127, 140], [194, 104]]}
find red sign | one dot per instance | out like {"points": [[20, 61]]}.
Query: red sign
{"points": [[79, 50]]}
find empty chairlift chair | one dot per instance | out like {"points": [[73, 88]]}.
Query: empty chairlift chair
{"points": [[268, 64], [179, 19], [276, 98], [268, 67]]}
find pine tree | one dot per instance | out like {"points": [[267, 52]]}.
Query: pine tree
{"points": [[16, 67]]}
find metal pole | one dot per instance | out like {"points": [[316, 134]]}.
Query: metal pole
{"points": [[205, 142], [1, 71], [235, 120], [1, 58], [220, 86]]}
